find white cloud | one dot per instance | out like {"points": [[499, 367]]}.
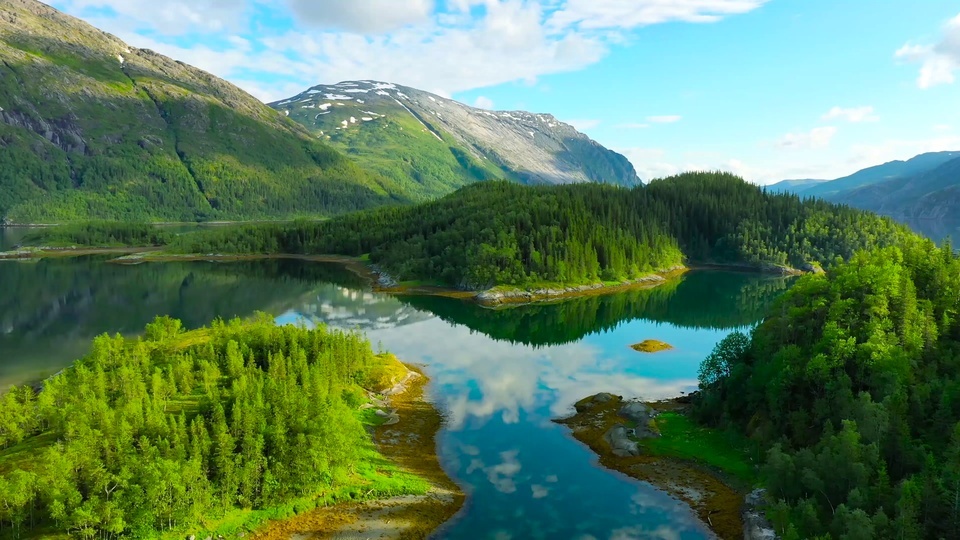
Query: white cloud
{"points": [[665, 119], [942, 128], [626, 14], [444, 47], [363, 15], [939, 61], [169, 17], [852, 114], [815, 138], [483, 102]]}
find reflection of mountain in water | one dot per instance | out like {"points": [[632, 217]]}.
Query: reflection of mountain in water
{"points": [[350, 308], [52, 308], [711, 300]]}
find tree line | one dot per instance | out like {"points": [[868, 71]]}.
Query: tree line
{"points": [[498, 233], [853, 385], [175, 429]]}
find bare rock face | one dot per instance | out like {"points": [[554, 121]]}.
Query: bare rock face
{"points": [[592, 401], [618, 437], [531, 148], [755, 524]]}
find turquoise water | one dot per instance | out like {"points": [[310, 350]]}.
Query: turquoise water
{"points": [[500, 376]]}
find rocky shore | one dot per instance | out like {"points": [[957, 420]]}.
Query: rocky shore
{"points": [[616, 430]]}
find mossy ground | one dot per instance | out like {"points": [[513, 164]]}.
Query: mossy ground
{"points": [[651, 346], [704, 468]]}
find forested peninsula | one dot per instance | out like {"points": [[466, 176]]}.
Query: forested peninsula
{"points": [[212, 431], [498, 235], [852, 383]]}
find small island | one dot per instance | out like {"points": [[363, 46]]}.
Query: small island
{"points": [[651, 346]]}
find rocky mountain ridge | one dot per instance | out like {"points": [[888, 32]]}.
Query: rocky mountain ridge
{"points": [[527, 147]]}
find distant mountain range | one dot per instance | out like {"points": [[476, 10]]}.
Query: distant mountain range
{"points": [[402, 132], [925, 187], [91, 127]]}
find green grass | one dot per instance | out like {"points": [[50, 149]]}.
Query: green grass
{"points": [[728, 452]]}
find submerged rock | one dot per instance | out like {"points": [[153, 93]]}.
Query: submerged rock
{"points": [[651, 346], [618, 437]]}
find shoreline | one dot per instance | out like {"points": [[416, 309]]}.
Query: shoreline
{"points": [[411, 444], [717, 498], [499, 296]]}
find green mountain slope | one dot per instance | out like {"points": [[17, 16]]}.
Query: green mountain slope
{"points": [[90, 127], [404, 133]]}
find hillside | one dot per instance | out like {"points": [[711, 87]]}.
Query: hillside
{"points": [[93, 128], [404, 133], [933, 194], [794, 186], [498, 233], [881, 173]]}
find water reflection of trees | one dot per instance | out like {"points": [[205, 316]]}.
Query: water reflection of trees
{"points": [[707, 300], [51, 309]]}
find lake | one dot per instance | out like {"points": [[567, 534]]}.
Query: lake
{"points": [[500, 376]]}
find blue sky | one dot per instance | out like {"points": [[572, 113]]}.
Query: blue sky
{"points": [[769, 89]]}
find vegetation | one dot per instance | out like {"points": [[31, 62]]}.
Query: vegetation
{"points": [[99, 233], [140, 137], [651, 346], [203, 430], [852, 383], [725, 451], [496, 233]]}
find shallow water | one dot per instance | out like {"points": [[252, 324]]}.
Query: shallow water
{"points": [[501, 376]]}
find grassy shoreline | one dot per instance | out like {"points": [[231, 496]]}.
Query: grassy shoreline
{"points": [[501, 295], [411, 445]]}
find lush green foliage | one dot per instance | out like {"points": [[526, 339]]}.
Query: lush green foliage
{"points": [[178, 429], [99, 233], [89, 136], [499, 233], [724, 450], [853, 383]]}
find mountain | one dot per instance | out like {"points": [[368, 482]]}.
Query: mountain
{"points": [[793, 186], [93, 128], [933, 194], [402, 133], [881, 173]]}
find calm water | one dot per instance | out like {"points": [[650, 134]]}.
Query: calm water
{"points": [[500, 375]]}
